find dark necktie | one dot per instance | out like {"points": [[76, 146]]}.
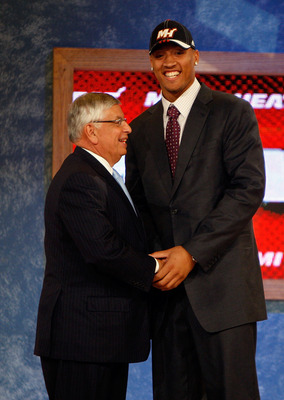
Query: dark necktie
{"points": [[172, 137]]}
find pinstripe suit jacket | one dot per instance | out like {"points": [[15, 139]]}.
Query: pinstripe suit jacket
{"points": [[94, 302], [208, 208]]}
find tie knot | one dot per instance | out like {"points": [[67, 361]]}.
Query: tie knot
{"points": [[173, 112]]}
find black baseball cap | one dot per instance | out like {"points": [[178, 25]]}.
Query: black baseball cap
{"points": [[171, 31]]}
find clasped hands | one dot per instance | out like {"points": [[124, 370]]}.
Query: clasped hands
{"points": [[174, 266]]}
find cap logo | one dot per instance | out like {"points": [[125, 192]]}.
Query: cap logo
{"points": [[166, 33]]}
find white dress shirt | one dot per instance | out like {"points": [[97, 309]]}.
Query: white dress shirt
{"points": [[183, 104]]}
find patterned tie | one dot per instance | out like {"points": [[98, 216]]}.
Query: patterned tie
{"points": [[120, 180], [172, 137]]}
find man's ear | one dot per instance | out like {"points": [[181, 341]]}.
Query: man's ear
{"points": [[196, 57], [91, 133]]}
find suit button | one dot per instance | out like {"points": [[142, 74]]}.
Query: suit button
{"points": [[174, 211]]}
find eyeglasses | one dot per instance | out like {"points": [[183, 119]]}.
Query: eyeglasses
{"points": [[117, 121]]}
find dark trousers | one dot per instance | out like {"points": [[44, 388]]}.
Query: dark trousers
{"points": [[192, 364], [71, 380]]}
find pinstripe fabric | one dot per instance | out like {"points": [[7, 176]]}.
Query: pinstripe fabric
{"points": [[94, 303]]}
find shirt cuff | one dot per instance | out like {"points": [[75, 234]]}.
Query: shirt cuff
{"points": [[157, 265]]}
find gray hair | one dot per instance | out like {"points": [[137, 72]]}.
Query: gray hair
{"points": [[86, 108]]}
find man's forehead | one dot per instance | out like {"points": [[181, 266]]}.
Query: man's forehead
{"points": [[113, 110]]}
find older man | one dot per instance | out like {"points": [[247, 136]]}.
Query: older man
{"points": [[93, 310]]}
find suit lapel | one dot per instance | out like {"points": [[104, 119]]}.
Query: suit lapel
{"points": [[101, 170], [155, 137], [191, 134]]}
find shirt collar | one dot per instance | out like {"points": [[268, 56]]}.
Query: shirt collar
{"points": [[183, 103], [102, 160]]}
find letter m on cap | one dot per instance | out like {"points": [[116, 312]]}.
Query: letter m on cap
{"points": [[166, 33]]}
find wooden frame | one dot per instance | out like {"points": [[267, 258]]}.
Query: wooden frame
{"points": [[67, 60]]}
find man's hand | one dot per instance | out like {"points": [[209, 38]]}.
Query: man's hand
{"points": [[177, 265]]}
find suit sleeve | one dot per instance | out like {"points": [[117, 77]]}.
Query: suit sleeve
{"points": [[90, 217], [243, 163]]}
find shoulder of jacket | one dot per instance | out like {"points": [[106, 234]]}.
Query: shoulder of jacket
{"points": [[147, 113], [219, 95]]}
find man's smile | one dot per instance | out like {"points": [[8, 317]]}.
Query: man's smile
{"points": [[171, 74]]}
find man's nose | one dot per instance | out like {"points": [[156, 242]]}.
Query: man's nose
{"points": [[169, 60], [127, 128]]}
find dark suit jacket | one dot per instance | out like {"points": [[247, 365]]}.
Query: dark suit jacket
{"points": [[208, 209], [94, 301]]}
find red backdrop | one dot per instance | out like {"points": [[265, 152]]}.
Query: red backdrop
{"points": [[139, 90]]}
